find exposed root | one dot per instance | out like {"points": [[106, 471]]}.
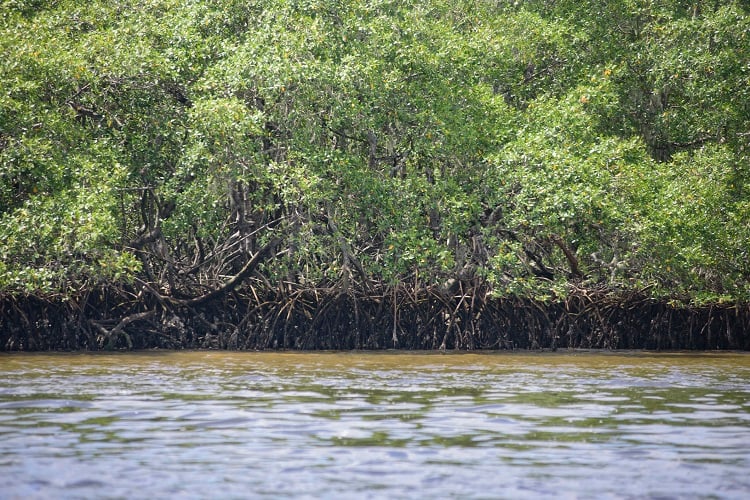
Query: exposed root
{"points": [[464, 316]]}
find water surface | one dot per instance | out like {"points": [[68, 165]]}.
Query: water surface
{"points": [[375, 425]]}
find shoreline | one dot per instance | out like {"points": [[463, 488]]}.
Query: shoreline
{"points": [[398, 318]]}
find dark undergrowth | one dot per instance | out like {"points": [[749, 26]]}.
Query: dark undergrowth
{"points": [[466, 317]]}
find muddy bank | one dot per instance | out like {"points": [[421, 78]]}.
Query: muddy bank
{"points": [[465, 318]]}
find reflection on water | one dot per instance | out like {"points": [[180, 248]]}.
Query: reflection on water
{"points": [[374, 425]]}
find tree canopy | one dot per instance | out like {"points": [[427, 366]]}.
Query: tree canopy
{"points": [[536, 145]]}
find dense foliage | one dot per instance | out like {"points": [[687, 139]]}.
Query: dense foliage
{"points": [[539, 146]]}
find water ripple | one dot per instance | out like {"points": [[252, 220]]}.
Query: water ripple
{"points": [[197, 425]]}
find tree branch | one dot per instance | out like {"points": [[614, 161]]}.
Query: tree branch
{"points": [[572, 260], [234, 282]]}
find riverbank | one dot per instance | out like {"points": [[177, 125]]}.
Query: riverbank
{"points": [[464, 317], [374, 175]]}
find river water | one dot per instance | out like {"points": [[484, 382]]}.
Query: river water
{"points": [[375, 425]]}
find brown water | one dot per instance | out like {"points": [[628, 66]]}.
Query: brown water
{"points": [[374, 425]]}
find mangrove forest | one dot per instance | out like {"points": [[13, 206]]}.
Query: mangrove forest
{"points": [[374, 174]]}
